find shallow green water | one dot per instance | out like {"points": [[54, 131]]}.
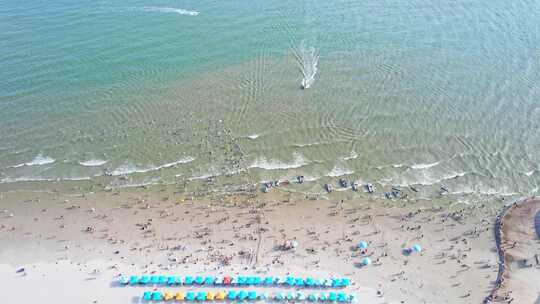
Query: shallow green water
{"points": [[423, 93]]}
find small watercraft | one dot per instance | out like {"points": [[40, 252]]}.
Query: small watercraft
{"points": [[370, 188], [444, 190], [388, 195], [300, 179], [413, 189], [343, 183], [329, 188], [354, 186]]}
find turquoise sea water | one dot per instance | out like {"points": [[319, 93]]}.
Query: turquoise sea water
{"points": [[422, 93]]}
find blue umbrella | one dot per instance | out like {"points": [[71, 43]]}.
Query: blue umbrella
{"points": [[332, 297], [188, 280], [279, 296], [336, 282], [162, 280], [281, 281], [327, 283], [190, 296], [291, 296], [323, 297], [242, 295], [218, 281], [199, 280], [313, 297], [209, 281], [366, 261], [268, 281], [250, 280], [345, 282], [147, 296], [363, 245], [241, 280], [231, 295], [299, 282], [156, 296], [123, 280], [257, 281], [133, 280], [178, 280], [309, 282], [290, 281], [353, 298], [300, 296], [342, 297], [264, 296], [417, 248], [317, 282], [252, 295], [144, 280], [154, 279], [201, 296]]}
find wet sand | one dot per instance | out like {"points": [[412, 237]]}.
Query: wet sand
{"points": [[73, 247]]}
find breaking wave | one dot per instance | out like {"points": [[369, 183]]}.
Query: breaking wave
{"points": [[424, 166], [129, 168], [157, 9], [339, 170], [271, 164], [37, 161], [93, 163]]}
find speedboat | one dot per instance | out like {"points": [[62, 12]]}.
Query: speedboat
{"points": [[329, 188], [343, 183], [369, 188], [300, 179]]}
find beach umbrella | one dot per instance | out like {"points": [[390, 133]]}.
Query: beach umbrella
{"points": [[363, 245], [154, 279], [178, 280], [252, 295], [300, 296], [156, 296], [133, 280], [171, 280], [201, 296], [268, 281], [210, 296], [317, 282], [353, 298], [309, 282], [336, 282], [345, 282], [290, 281], [264, 296], [342, 297], [167, 296], [250, 280], [180, 296], [147, 296], [234, 280], [188, 280], [281, 281], [279, 296], [162, 280], [332, 297], [366, 261], [417, 248], [257, 281], [323, 297], [231, 295], [218, 281], [190, 296], [299, 282], [241, 280], [123, 280], [242, 295], [227, 280], [199, 280], [313, 297], [291, 296], [144, 280], [327, 283], [220, 295], [209, 281]]}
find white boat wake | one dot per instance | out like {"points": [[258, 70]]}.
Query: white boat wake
{"points": [[308, 60]]}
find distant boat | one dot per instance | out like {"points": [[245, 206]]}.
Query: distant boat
{"points": [[354, 186], [388, 195], [300, 179], [328, 188]]}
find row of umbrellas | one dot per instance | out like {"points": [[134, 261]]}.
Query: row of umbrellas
{"points": [[235, 281], [233, 295]]}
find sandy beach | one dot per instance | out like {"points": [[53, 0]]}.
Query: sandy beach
{"points": [[72, 248]]}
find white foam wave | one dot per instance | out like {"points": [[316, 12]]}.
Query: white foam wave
{"points": [[529, 173], [253, 136], [425, 166], [37, 161], [339, 170], [157, 9], [271, 164], [93, 163], [353, 155], [128, 168], [40, 179]]}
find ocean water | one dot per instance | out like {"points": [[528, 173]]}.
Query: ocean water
{"points": [[423, 93]]}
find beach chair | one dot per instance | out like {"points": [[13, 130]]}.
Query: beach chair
{"points": [[314, 297], [309, 282], [291, 296], [226, 280], [218, 281], [190, 296], [199, 280], [133, 280], [210, 296], [299, 282], [252, 295], [300, 296], [342, 297], [345, 282], [147, 296], [201, 296], [268, 281], [231, 295], [209, 281], [336, 283], [221, 295], [289, 281], [171, 280], [144, 280], [156, 296], [280, 296], [123, 280], [162, 280], [188, 280], [242, 295], [154, 280], [332, 297], [180, 296], [168, 296]]}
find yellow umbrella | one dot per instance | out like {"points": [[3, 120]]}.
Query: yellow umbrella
{"points": [[220, 295], [180, 296], [210, 295], [167, 296]]}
